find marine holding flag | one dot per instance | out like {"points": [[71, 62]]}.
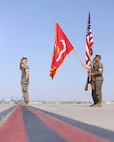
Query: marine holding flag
{"points": [[62, 47], [95, 69], [97, 74]]}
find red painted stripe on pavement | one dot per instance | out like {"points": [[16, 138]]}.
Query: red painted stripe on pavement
{"points": [[13, 130], [68, 132]]}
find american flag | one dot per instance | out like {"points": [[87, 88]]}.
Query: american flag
{"points": [[89, 41]]}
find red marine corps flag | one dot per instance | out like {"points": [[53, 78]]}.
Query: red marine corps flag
{"points": [[62, 47], [89, 41]]}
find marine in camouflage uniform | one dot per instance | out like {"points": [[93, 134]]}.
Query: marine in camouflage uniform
{"points": [[98, 81], [25, 79]]}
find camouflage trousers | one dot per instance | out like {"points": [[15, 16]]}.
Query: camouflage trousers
{"points": [[25, 91], [97, 92]]}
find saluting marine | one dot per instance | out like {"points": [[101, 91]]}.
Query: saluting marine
{"points": [[25, 79]]}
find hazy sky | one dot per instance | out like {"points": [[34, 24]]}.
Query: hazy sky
{"points": [[27, 29]]}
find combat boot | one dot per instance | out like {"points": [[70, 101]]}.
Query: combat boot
{"points": [[97, 105], [92, 105], [26, 104]]}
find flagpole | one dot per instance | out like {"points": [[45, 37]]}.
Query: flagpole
{"points": [[77, 55]]}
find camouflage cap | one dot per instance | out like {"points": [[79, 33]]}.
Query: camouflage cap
{"points": [[98, 56], [24, 58]]}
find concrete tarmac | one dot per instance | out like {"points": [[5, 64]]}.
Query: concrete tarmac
{"points": [[58, 122], [5, 106], [102, 117]]}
